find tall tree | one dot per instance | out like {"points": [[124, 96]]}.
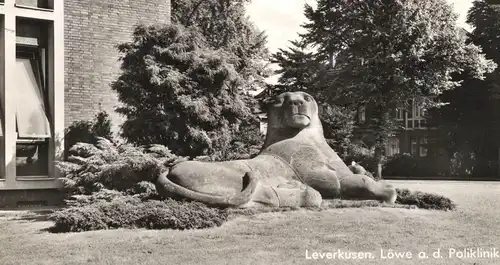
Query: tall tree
{"points": [[225, 25], [470, 122], [302, 69], [390, 51], [186, 84], [298, 68]]}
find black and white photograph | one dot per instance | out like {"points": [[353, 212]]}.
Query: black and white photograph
{"points": [[249, 132]]}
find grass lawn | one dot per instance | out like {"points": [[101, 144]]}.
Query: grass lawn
{"points": [[278, 238]]}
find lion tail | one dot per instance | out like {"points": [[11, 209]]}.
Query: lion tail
{"points": [[250, 181]]}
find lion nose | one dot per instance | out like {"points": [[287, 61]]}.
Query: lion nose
{"points": [[296, 102]]}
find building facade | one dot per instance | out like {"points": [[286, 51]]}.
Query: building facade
{"points": [[412, 137], [57, 61]]}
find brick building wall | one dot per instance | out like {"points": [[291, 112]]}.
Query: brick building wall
{"points": [[92, 30]]}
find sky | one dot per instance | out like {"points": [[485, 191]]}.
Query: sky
{"points": [[281, 19]]}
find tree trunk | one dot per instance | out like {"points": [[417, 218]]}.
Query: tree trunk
{"points": [[379, 159], [383, 127]]}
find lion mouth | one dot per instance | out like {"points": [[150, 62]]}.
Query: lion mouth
{"points": [[300, 114]]}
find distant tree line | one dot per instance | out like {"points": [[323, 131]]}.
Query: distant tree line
{"points": [[186, 84], [382, 54]]}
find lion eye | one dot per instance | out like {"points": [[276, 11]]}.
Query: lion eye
{"points": [[307, 98]]}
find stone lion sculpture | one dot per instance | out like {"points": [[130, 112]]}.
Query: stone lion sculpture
{"points": [[295, 167]]}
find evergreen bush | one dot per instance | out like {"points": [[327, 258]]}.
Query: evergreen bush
{"points": [[129, 212]]}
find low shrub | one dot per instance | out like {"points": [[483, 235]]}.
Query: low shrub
{"points": [[405, 165], [144, 190], [424, 200], [107, 165], [245, 143], [130, 212], [103, 195], [88, 131], [466, 163]]}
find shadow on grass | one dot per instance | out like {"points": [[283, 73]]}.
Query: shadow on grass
{"points": [[35, 216], [325, 205], [52, 230]]}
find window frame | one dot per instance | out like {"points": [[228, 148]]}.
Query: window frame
{"points": [[415, 116], [47, 5], [29, 147], [37, 57], [414, 150], [393, 146], [362, 114]]}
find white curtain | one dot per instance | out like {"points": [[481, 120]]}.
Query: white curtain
{"points": [[1, 124], [31, 116]]}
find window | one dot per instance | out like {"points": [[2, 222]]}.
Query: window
{"points": [[1, 124], [31, 116], [410, 112], [423, 123], [417, 124], [362, 114], [45, 4], [399, 114], [2, 153], [409, 124], [32, 122], [415, 117], [392, 147], [413, 146], [423, 146]]}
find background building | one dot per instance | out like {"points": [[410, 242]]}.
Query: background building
{"points": [[412, 137], [57, 60]]}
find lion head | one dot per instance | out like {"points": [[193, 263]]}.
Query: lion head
{"points": [[291, 113], [292, 110]]}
